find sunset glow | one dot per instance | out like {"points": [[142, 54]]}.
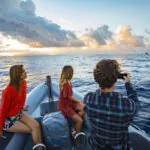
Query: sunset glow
{"points": [[55, 27]]}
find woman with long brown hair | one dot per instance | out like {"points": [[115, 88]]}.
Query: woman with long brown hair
{"points": [[13, 118]]}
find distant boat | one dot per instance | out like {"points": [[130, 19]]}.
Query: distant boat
{"points": [[146, 53]]}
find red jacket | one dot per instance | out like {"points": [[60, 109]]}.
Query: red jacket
{"points": [[12, 102]]}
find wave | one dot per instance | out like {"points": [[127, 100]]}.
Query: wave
{"points": [[38, 67]]}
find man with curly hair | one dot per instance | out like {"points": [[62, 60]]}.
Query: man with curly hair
{"points": [[109, 113]]}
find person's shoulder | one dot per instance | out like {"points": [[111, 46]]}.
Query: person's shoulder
{"points": [[90, 93], [9, 88], [125, 101], [66, 84], [88, 97], [117, 94]]}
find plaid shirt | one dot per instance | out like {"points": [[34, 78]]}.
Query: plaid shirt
{"points": [[109, 116]]}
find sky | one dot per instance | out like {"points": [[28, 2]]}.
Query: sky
{"points": [[73, 26]]}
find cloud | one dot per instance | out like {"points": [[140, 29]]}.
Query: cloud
{"points": [[28, 7], [9, 5], [103, 38], [125, 37], [97, 38], [147, 38], [18, 21], [147, 31], [21, 23]]}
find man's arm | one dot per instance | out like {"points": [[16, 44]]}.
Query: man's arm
{"points": [[132, 102]]}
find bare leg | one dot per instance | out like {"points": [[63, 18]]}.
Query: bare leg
{"points": [[19, 127], [81, 113], [80, 108], [78, 122], [35, 127]]}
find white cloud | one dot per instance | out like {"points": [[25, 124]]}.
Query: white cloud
{"points": [[125, 37], [18, 21], [98, 37], [103, 38]]}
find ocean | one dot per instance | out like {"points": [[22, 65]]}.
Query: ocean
{"points": [[38, 67]]}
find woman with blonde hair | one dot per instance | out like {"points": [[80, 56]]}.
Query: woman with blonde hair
{"points": [[71, 107], [13, 118]]}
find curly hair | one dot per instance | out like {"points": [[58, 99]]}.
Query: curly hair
{"points": [[106, 73]]}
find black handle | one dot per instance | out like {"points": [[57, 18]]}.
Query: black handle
{"points": [[49, 84]]}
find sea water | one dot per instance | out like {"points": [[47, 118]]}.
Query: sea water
{"points": [[38, 67]]}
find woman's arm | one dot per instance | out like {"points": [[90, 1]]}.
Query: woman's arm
{"points": [[73, 99]]}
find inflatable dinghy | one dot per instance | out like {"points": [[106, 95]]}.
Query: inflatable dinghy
{"points": [[43, 99]]}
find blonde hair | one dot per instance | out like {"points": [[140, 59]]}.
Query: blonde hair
{"points": [[66, 75]]}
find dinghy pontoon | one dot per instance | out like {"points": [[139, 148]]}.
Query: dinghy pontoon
{"points": [[43, 99]]}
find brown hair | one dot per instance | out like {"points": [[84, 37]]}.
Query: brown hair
{"points": [[15, 76], [106, 73], [66, 75]]}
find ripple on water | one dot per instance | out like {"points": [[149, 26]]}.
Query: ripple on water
{"points": [[38, 67]]}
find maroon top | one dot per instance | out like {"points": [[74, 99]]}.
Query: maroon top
{"points": [[65, 93]]}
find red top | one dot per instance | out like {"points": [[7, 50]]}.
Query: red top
{"points": [[12, 102], [64, 101]]}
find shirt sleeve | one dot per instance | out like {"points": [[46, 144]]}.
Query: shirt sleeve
{"points": [[6, 99], [67, 90], [131, 103], [131, 92]]}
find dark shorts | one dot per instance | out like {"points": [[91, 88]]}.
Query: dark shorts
{"points": [[9, 122]]}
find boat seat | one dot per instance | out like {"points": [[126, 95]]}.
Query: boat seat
{"points": [[48, 107]]}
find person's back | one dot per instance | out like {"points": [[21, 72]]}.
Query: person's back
{"points": [[110, 113]]}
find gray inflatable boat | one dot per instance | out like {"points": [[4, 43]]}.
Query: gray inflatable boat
{"points": [[43, 99]]}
